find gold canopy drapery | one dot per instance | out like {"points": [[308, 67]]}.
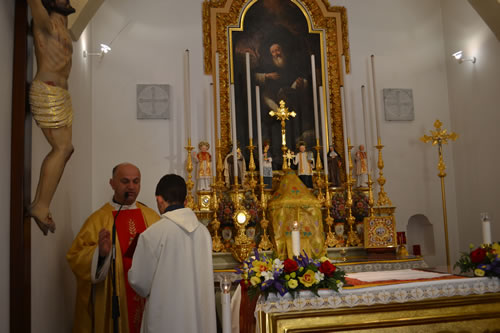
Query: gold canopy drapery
{"points": [[293, 201]]}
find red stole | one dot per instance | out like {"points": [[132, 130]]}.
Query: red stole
{"points": [[129, 223]]}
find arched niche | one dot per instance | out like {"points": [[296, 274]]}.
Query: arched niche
{"points": [[421, 231]]}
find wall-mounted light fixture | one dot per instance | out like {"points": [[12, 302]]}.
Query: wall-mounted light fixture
{"points": [[104, 50], [459, 56]]}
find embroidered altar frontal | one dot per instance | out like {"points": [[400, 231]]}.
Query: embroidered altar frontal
{"points": [[456, 305]]}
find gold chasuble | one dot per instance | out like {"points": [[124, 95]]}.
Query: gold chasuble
{"points": [[293, 201], [93, 300]]}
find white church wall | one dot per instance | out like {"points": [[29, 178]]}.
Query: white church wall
{"points": [[407, 41], [150, 49], [406, 38], [474, 105], [7, 40], [52, 278]]}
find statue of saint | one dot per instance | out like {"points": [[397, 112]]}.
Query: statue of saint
{"points": [[267, 166], [204, 172], [334, 165], [50, 100], [229, 168], [361, 167], [305, 161]]}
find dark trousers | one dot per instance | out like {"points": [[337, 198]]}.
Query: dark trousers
{"points": [[307, 180]]}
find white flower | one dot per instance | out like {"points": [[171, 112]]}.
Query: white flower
{"points": [[319, 276], [278, 264], [340, 284], [268, 275]]}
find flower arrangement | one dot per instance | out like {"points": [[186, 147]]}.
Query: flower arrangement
{"points": [[483, 261], [264, 275]]}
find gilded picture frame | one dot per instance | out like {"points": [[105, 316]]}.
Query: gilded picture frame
{"points": [[221, 17]]}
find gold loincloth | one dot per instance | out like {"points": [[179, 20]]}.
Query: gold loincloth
{"points": [[51, 106]]}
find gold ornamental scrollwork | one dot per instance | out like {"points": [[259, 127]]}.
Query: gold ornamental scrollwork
{"points": [[219, 15]]}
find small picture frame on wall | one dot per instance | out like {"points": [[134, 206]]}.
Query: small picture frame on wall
{"points": [[153, 101], [398, 104]]}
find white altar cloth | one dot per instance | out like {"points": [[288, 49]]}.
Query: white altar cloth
{"points": [[393, 293], [401, 274]]}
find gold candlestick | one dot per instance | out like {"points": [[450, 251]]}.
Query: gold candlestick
{"points": [[189, 183], [330, 237], [319, 179], [252, 182], [219, 166], [383, 199], [352, 237], [265, 243], [370, 193], [319, 165], [440, 137], [217, 245]]}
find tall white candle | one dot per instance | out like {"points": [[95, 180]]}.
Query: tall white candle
{"points": [[365, 124], [375, 97], [217, 95], [259, 132], [296, 238], [233, 130], [324, 129], [212, 130], [329, 124], [226, 305], [187, 98], [486, 228], [315, 97], [344, 124], [249, 97]]}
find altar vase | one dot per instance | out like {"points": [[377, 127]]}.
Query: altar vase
{"points": [[293, 201]]}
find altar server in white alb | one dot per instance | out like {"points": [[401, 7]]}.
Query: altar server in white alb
{"points": [[172, 266]]}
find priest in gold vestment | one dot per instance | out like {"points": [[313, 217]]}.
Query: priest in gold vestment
{"points": [[293, 201], [90, 258]]}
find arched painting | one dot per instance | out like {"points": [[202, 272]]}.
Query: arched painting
{"points": [[292, 30], [277, 37]]}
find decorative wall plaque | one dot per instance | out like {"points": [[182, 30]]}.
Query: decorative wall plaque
{"points": [[152, 101], [398, 104]]}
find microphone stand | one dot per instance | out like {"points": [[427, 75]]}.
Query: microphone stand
{"points": [[115, 304]]}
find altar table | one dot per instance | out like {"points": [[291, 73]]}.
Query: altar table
{"points": [[455, 305]]}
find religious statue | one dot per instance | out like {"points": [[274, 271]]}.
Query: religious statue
{"points": [[305, 161], [204, 172], [334, 165], [50, 100], [361, 167], [229, 168], [267, 166], [339, 234]]}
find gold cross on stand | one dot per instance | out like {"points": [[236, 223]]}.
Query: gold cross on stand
{"points": [[440, 137], [283, 115], [288, 158]]}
